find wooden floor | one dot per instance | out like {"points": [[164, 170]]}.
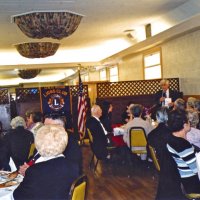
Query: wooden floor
{"points": [[119, 181]]}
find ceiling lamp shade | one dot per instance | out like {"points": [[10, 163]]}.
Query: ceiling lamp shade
{"points": [[56, 25], [28, 73], [37, 49]]}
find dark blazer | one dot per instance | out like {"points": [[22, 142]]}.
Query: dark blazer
{"points": [[106, 120], [157, 138], [47, 180], [73, 152], [99, 145], [172, 94], [169, 186], [16, 144]]}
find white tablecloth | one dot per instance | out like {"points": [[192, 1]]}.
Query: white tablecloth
{"points": [[118, 131], [6, 193]]}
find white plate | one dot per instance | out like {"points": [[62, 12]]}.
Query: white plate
{"points": [[4, 177], [4, 174], [13, 185]]}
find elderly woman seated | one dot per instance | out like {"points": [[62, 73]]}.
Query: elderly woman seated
{"points": [[182, 151], [16, 144], [51, 176], [192, 111]]}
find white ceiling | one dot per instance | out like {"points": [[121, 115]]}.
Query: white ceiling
{"points": [[99, 35]]}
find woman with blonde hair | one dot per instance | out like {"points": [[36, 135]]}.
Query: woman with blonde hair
{"points": [[51, 176]]}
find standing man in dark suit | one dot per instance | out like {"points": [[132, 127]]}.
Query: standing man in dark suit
{"points": [[98, 132], [165, 96]]}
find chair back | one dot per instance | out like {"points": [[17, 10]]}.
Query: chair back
{"points": [[137, 138], [78, 188], [31, 151], [81, 135], [154, 157], [90, 135]]}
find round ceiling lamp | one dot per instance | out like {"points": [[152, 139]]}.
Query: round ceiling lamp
{"points": [[28, 73], [37, 49], [56, 25]]}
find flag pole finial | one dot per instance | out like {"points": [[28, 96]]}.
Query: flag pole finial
{"points": [[79, 67]]}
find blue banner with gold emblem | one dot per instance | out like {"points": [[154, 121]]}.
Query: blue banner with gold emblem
{"points": [[55, 100]]}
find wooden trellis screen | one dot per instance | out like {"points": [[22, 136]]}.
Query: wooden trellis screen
{"points": [[121, 93], [4, 96], [31, 94], [132, 88]]}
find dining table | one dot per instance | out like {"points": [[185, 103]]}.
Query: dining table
{"points": [[119, 131], [8, 185]]}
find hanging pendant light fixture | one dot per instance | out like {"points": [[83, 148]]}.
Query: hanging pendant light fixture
{"points": [[53, 24], [28, 73], [37, 49]]}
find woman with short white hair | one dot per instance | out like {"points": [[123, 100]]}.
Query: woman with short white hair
{"points": [[51, 140], [51, 176], [16, 144], [18, 121]]}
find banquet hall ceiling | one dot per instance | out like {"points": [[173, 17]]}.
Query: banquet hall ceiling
{"points": [[101, 33]]}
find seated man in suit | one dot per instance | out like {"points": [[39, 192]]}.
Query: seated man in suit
{"points": [[98, 132], [165, 96]]}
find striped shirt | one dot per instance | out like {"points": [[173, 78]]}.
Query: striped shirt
{"points": [[183, 154]]}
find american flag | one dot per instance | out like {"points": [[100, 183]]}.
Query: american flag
{"points": [[82, 106]]}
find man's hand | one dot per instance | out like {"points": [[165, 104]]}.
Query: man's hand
{"points": [[23, 168], [162, 99], [171, 104]]}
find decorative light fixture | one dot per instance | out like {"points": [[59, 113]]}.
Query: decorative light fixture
{"points": [[28, 73], [37, 49], [56, 25]]}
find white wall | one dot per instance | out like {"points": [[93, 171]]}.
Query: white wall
{"points": [[131, 68], [181, 59]]}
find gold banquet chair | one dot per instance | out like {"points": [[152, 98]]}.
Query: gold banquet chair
{"points": [[109, 148], [83, 140], [31, 151], [192, 196], [78, 188], [154, 158], [138, 140], [93, 156]]}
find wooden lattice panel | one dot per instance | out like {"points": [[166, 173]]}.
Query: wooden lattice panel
{"points": [[74, 90], [27, 94], [130, 88], [4, 97]]}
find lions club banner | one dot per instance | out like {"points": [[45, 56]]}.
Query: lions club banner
{"points": [[55, 100]]}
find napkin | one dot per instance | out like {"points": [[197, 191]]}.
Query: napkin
{"points": [[12, 165]]}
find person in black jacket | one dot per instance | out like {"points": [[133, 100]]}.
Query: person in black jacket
{"points": [[168, 177], [52, 175], [106, 118], [16, 144], [98, 132], [165, 92], [72, 151]]}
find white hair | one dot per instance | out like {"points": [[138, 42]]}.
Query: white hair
{"points": [[18, 121], [164, 82], [51, 140]]}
